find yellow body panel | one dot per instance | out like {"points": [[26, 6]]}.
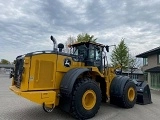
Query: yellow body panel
{"points": [[40, 97], [61, 69], [42, 72], [109, 75], [42, 76], [48, 74], [96, 71]]}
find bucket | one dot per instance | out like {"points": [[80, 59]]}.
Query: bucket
{"points": [[143, 93]]}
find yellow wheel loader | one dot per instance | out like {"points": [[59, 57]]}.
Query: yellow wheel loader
{"points": [[77, 82]]}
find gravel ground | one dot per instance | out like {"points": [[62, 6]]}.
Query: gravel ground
{"points": [[13, 107]]}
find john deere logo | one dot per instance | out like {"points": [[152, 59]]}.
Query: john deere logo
{"points": [[67, 62]]}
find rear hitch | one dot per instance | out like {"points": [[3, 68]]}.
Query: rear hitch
{"points": [[48, 108]]}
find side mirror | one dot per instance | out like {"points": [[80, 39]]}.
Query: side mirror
{"points": [[107, 48]]}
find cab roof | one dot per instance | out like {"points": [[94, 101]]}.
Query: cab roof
{"points": [[93, 43]]}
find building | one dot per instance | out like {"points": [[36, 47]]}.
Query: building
{"points": [[151, 67], [6, 68], [136, 75]]}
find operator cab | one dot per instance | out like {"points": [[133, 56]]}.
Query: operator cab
{"points": [[88, 52]]}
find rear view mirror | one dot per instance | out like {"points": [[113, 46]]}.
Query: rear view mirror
{"points": [[107, 48]]}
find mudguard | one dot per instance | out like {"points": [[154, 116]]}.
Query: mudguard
{"points": [[67, 85]]}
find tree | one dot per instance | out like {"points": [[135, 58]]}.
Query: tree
{"points": [[80, 38], [120, 55], [70, 40], [85, 38], [4, 61], [134, 63]]}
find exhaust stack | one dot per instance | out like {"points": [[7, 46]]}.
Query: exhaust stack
{"points": [[54, 43]]}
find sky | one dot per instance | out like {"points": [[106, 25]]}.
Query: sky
{"points": [[26, 25]]}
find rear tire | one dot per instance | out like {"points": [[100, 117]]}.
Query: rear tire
{"points": [[86, 99]]}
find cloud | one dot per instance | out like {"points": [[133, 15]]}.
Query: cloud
{"points": [[27, 25]]}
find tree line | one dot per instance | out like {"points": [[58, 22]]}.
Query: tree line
{"points": [[4, 61]]}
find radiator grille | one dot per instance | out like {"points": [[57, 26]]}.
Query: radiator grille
{"points": [[43, 74], [18, 72]]}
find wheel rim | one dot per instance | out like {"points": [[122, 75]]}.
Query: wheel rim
{"points": [[131, 94], [89, 99]]}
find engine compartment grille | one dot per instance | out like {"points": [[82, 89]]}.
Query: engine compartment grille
{"points": [[18, 71]]}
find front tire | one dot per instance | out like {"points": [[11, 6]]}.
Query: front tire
{"points": [[123, 92], [86, 99], [129, 95]]}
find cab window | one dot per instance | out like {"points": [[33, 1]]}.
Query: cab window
{"points": [[98, 53], [80, 53]]}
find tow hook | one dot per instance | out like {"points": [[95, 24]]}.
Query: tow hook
{"points": [[48, 108]]}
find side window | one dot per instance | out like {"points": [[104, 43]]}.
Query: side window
{"points": [[95, 53], [76, 52], [80, 53], [79, 50], [98, 53], [91, 54], [158, 59], [145, 61]]}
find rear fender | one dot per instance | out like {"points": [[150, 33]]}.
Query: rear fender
{"points": [[67, 85], [70, 78]]}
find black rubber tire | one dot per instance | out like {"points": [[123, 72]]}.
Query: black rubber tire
{"points": [[80, 87], [126, 103]]}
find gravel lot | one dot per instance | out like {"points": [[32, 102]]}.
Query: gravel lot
{"points": [[13, 107]]}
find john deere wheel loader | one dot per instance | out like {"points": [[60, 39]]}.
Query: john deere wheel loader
{"points": [[76, 82]]}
